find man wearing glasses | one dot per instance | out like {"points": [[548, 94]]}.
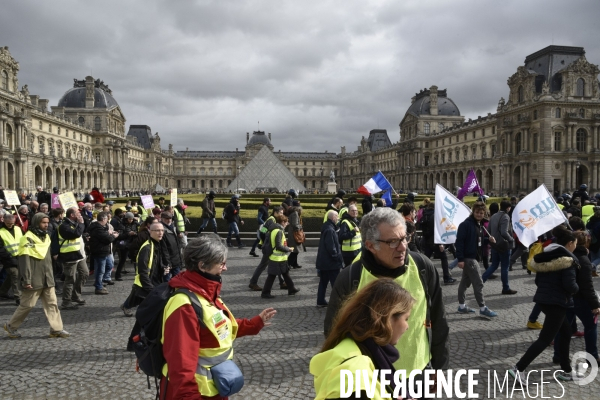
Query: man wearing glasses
{"points": [[384, 254], [150, 270]]}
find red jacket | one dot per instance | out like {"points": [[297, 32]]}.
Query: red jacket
{"points": [[184, 336], [98, 198]]}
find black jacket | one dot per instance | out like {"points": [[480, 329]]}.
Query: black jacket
{"points": [[232, 212], [438, 333], [156, 275], [428, 226], [345, 233], [555, 276], [574, 211], [367, 205], [583, 277], [470, 239], [69, 230], [171, 246], [329, 255], [582, 194], [100, 240]]}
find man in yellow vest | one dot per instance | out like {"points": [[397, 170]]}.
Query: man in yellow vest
{"points": [[71, 255], [10, 236], [180, 220], [385, 254], [37, 279], [150, 268], [349, 235]]}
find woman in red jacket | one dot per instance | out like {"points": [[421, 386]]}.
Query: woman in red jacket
{"points": [[195, 350]]}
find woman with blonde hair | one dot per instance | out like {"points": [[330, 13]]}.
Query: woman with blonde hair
{"points": [[363, 337]]}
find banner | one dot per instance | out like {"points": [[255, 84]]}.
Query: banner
{"points": [[12, 198], [470, 186], [535, 215], [173, 197], [55, 203], [67, 200], [449, 213], [147, 201]]}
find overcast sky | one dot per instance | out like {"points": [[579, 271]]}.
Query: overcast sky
{"points": [[316, 74]]}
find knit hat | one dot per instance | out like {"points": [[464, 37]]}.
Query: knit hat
{"points": [[129, 215]]}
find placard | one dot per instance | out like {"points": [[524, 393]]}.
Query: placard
{"points": [[12, 198], [55, 201], [67, 200], [147, 201], [173, 197]]}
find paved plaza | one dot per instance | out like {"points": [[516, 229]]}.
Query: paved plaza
{"points": [[93, 363]]}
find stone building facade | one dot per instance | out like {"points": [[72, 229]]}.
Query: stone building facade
{"points": [[547, 131]]}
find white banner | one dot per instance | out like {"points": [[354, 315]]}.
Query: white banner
{"points": [[449, 213], [535, 215]]}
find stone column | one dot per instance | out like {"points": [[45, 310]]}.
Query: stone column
{"points": [[573, 141], [526, 141], [592, 176], [2, 138], [595, 138]]}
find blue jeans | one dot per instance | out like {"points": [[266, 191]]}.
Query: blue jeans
{"points": [[99, 270], [110, 264], [595, 258], [326, 277], [205, 224], [502, 259], [233, 230], [583, 311]]}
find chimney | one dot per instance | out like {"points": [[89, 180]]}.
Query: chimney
{"points": [[43, 104], [89, 92], [247, 137], [34, 99], [433, 98]]}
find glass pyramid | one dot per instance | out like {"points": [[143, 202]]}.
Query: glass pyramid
{"points": [[266, 172]]}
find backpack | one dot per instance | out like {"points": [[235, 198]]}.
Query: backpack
{"points": [[147, 332], [535, 248]]}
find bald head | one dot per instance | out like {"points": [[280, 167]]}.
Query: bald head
{"points": [[332, 215]]}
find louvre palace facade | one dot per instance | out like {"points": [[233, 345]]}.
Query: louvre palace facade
{"points": [[546, 131]]}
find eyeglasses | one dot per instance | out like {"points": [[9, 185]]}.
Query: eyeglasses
{"points": [[158, 230], [393, 243], [223, 264]]}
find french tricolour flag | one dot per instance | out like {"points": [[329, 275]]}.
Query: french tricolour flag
{"points": [[377, 184]]}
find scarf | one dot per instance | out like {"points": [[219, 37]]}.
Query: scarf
{"points": [[383, 357], [371, 265]]}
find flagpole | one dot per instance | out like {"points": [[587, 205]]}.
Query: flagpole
{"points": [[554, 201]]}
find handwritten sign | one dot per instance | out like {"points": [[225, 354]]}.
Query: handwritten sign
{"points": [[173, 197], [147, 201], [67, 200], [55, 201], [12, 198]]}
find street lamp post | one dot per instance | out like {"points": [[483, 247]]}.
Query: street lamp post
{"points": [[408, 176], [500, 183], [238, 180]]}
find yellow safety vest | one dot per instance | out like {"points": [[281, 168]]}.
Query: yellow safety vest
{"points": [[277, 255], [343, 211], [137, 262], [327, 366], [11, 243], [327, 212], [414, 343], [68, 245], [586, 213], [222, 327], [561, 206], [354, 243], [143, 214], [264, 229], [180, 222], [38, 249]]}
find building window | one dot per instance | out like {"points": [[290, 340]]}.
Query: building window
{"points": [[98, 142], [534, 115], [426, 161], [483, 132], [493, 150], [97, 123], [50, 128], [581, 139], [473, 134], [426, 127], [580, 87], [457, 155], [81, 120], [41, 125], [557, 137], [426, 145], [449, 156], [58, 130], [493, 130], [520, 94], [5, 80], [557, 113], [441, 126], [535, 143], [581, 113], [518, 143]]}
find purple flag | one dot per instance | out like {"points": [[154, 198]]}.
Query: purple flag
{"points": [[471, 186]]}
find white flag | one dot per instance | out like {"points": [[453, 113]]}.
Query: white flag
{"points": [[449, 213], [535, 215]]}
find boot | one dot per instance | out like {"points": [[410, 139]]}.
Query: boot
{"points": [[267, 295], [229, 243], [239, 242], [199, 231]]}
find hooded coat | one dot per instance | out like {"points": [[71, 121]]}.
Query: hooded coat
{"points": [[555, 276]]}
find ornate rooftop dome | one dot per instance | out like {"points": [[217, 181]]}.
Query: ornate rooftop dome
{"points": [[422, 104], [259, 137], [75, 97]]}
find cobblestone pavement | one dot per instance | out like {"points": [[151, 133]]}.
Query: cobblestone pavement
{"points": [[93, 364]]}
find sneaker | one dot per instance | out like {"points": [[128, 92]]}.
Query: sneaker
{"points": [[563, 376], [108, 282], [60, 334], [13, 333], [293, 292], [255, 287], [465, 310], [80, 302], [595, 274], [118, 279], [126, 311], [577, 334], [101, 291], [322, 305], [487, 313], [69, 306], [283, 286], [514, 372], [267, 296], [534, 325], [449, 281], [493, 276], [509, 291], [253, 254], [241, 245]]}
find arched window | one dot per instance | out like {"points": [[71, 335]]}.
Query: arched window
{"points": [[581, 139], [97, 124], [580, 87], [557, 113], [520, 94], [426, 127], [4, 80], [518, 143]]}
